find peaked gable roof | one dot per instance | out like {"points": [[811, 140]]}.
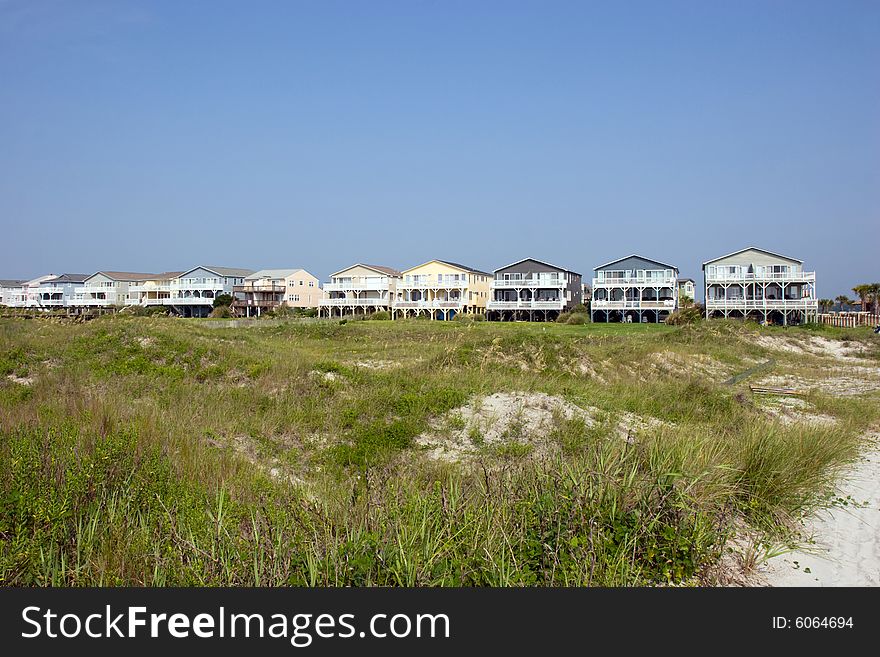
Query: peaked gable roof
{"points": [[272, 273], [221, 271], [379, 269], [542, 262], [636, 255], [754, 248], [68, 278], [124, 275], [470, 270]]}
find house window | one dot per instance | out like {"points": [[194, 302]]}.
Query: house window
{"points": [[311, 284]]}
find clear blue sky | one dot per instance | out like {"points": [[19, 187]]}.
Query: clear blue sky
{"points": [[152, 136]]}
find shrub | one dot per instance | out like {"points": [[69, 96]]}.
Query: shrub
{"points": [[563, 318], [469, 317], [381, 315], [580, 309], [577, 318], [223, 300], [689, 315], [222, 312]]}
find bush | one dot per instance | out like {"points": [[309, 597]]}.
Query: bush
{"points": [[469, 317], [222, 300], [222, 312], [682, 316], [381, 315], [580, 309], [577, 318], [563, 318]]}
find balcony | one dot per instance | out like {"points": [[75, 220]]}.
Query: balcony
{"points": [[455, 303], [552, 283], [638, 281], [93, 289], [356, 287], [526, 305], [353, 302], [634, 304], [188, 301], [432, 285], [95, 302], [800, 277], [271, 288], [256, 303], [761, 304]]}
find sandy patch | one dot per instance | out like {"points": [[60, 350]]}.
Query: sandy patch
{"points": [[326, 376], [836, 383], [815, 346], [515, 418], [843, 546], [791, 410], [146, 342], [21, 380], [702, 365], [375, 364], [248, 448]]}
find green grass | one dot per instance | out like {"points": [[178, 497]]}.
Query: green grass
{"points": [[153, 451]]}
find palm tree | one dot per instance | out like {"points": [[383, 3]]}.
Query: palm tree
{"points": [[842, 300], [874, 292], [863, 291], [826, 304]]}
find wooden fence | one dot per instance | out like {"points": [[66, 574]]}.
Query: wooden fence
{"points": [[850, 320]]}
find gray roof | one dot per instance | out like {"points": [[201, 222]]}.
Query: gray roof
{"points": [[272, 273], [380, 269], [754, 248], [223, 271], [11, 282], [125, 275], [685, 280], [67, 278], [465, 267], [543, 262], [636, 255]]}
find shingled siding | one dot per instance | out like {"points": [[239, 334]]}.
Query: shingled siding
{"points": [[530, 266]]}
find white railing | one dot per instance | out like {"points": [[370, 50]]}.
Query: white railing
{"points": [[97, 289], [429, 304], [525, 305], [647, 304], [188, 301], [529, 282], [95, 302], [355, 287], [353, 302], [185, 287], [635, 280], [808, 304], [432, 285], [799, 276]]}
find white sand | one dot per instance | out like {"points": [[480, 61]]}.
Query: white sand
{"points": [[846, 540]]}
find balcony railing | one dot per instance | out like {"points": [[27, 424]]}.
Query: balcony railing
{"points": [[94, 289], [525, 305], [429, 304], [528, 282], [762, 303], [354, 302], [799, 276], [635, 280], [432, 285], [256, 303], [356, 287], [646, 304], [260, 288]]}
